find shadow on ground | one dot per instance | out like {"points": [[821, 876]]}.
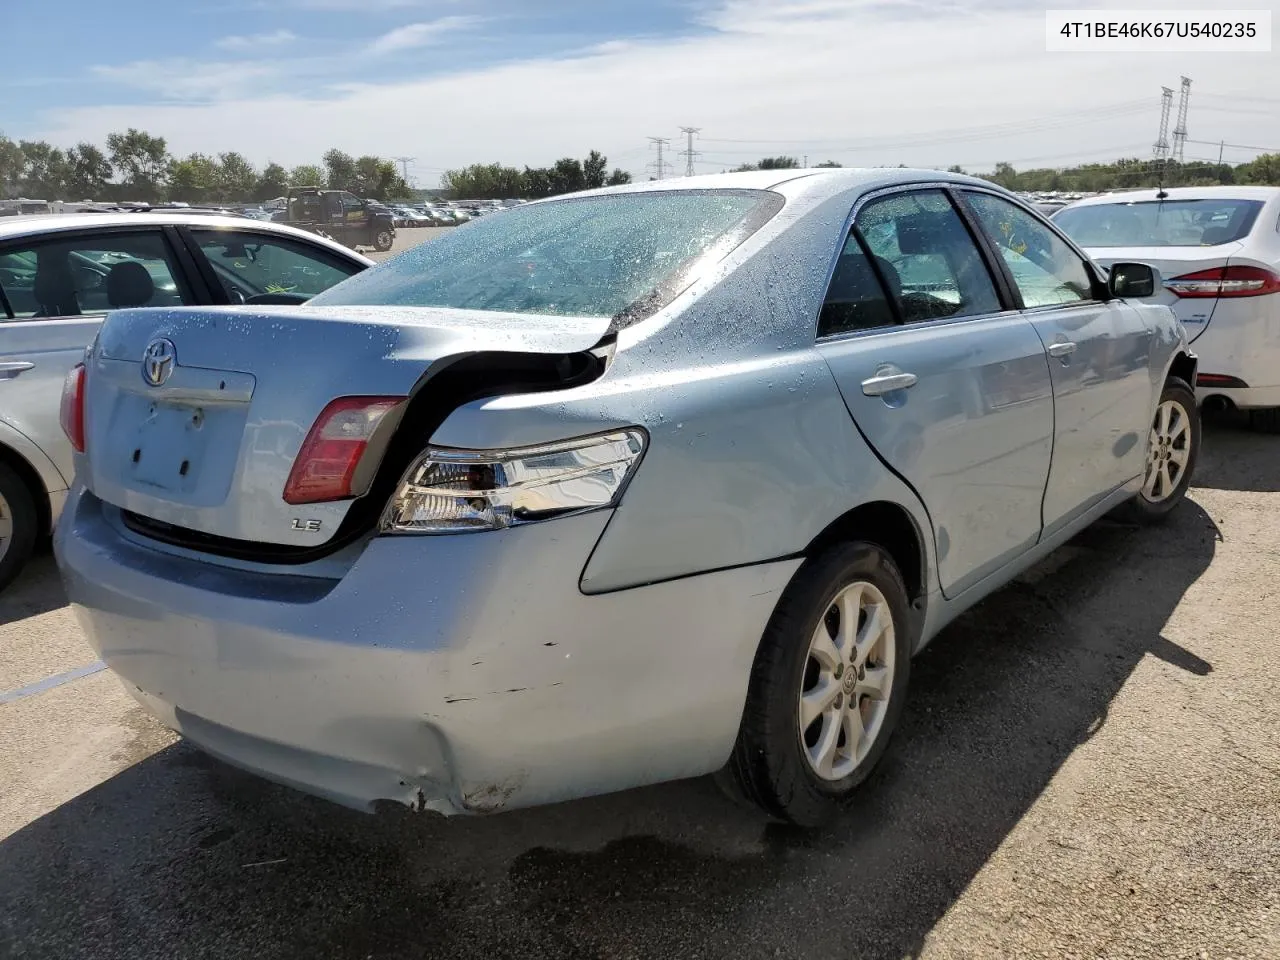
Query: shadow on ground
{"points": [[180, 856], [37, 590], [1235, 456]]}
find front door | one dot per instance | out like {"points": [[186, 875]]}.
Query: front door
{"points": [[1098, 349], [951, 388], [57, 289]]}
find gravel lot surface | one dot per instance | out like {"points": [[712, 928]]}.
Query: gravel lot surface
{"points": [[1089, 767]]}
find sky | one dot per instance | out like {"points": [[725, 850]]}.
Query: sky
{"points": [[452, 82]]}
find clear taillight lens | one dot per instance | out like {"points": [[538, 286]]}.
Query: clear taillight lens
{"points": [[459, 491], [325, 468], [1239, 281], [72, 412]]}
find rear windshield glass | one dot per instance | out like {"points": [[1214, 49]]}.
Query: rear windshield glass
{"points": [[1156, 223], [620, 255]]}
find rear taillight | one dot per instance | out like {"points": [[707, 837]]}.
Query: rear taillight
{"points": [[325, 468], [72, 412], [1238, 281]]}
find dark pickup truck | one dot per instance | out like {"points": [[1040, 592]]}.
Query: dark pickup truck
{"points": [[339, 215]]}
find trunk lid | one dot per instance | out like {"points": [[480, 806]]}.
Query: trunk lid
{"points": [[210, 448], [1195, 313]]}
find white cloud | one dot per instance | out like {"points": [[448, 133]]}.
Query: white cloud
{"points": [[181, 78], [256, 41], [861, 82], [414, 35]]}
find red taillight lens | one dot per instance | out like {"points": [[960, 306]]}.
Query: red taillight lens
{"points": [[1240, 281], [72, 412], [331, 453]]}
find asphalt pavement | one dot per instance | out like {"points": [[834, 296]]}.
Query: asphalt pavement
{"points": [[1089, 767]]}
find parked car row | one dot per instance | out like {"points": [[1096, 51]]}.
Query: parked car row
{"points": [[630, 486]]}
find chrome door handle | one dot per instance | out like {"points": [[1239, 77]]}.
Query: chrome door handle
{"points": [[887, 382], [11, 368], [1063, 348]]}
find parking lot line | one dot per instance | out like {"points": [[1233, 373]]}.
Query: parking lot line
{"points": [[48, 683]]}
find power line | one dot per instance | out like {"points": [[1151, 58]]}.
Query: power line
{"points": [[689, 153], [404, 166], [660, 166], [1234, 146]]}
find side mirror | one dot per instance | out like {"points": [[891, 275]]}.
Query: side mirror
{"points": [[1133, 280]]}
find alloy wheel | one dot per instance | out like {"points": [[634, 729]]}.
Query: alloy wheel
{"points": [[848, 678], [1168, 451]]}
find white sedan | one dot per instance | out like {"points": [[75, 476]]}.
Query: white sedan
{"points": [[1218, 252]]}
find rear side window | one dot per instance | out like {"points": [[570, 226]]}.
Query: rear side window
{"points": [[927, 257], [620, 255], [1045, 269], [855, 298], [251, 264], [68, 276], [1160, 223]]}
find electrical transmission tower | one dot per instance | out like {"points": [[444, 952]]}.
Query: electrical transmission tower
{"points": [[404, 166], [1161, 149], [689, 153], [1180, 131], [659, 166]]}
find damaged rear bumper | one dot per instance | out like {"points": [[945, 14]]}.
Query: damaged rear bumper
{"points": [[461, 674]]}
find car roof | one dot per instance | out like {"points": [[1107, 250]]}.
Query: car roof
{"points": [[49, 223], [1150, 195], [814, 181]]}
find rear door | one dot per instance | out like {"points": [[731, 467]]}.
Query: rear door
{"points": [[1099, 358], [948, 384], [57, 289]]}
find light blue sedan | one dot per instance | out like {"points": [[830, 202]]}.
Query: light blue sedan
{"points": [[638, 484]]}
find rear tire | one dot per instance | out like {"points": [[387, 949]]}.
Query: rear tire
{"points": [[1173, 445], [827, 687], [1265, 421], [383, 240], [19, 525]]}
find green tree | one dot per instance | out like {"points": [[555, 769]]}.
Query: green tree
{"points": [[341, 170], [236, 178], [89, 175], [1263, 169], [45, 170], [273, 182], [194, 179], [1005, 175], [306, 175], [830, 163], [484, 180], [618, 178], [955, 168], [567, 176], [142, 160], [11, 166], [593, 170], [779, 163]]}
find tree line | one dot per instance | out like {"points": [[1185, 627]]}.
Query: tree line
{"points": [[567, 175], [137, 166]]}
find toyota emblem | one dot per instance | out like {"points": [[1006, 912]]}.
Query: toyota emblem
{"points": [[158, 361]]}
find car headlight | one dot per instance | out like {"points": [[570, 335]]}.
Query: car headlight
{"points": [[460, 491]]}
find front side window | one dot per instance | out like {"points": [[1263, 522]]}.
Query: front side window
{"points": [[67, 277], [1046, 271], [620, 255], [251, 264], [926, 256], [1160, 223]]}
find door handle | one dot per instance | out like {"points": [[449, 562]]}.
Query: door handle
{"points": [[1063, 348], [887, 381], [11, 368]]}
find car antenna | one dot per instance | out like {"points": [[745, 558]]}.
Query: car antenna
{"points": [[1161, 192]]}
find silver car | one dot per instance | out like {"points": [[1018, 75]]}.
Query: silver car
{"points": [[60, 274], [634, 485]]}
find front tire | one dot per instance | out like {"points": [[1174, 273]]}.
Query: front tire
{"points": [[18, 525], [827, 687], [1173, 445], [383, 240]]}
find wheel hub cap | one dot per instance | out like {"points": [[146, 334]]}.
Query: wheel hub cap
{"points": [[1168, 451]]}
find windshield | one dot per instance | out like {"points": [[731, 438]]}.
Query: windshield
{"points": [[1160, 223], [620, 255]]}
